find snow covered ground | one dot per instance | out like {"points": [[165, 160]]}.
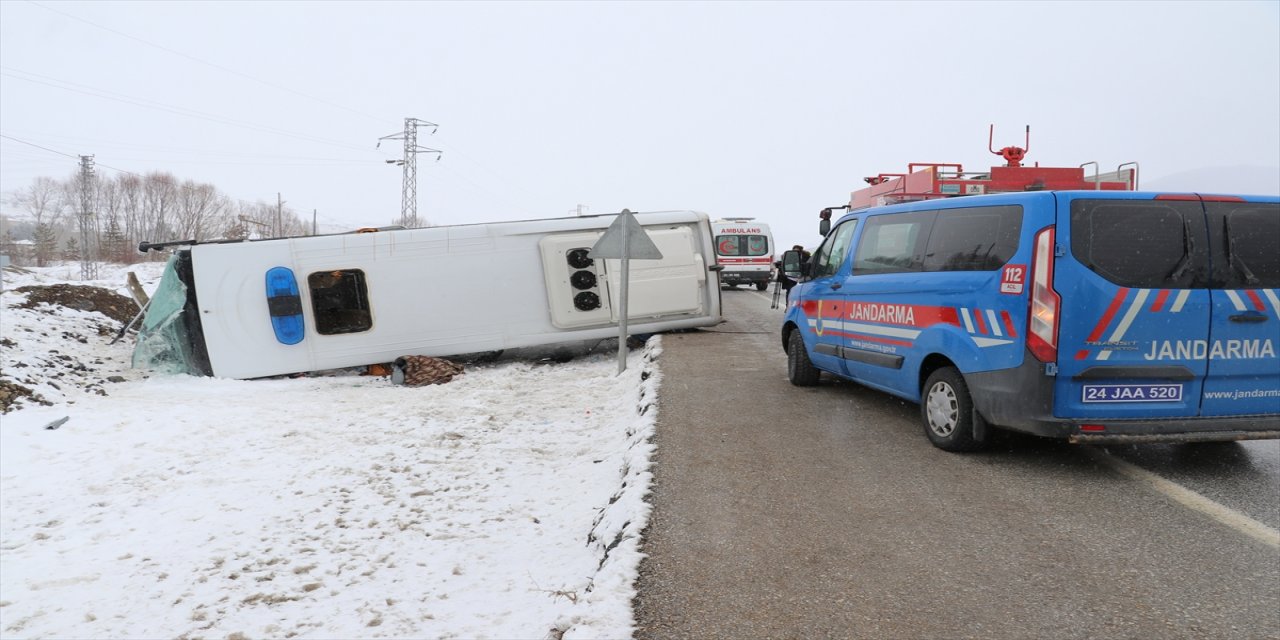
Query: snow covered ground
{"points": [[505, 504]]}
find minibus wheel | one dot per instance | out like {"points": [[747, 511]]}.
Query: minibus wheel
{"points": [[947, 410], [800, 370], [761, 286]]}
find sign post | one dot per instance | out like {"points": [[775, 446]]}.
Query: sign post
{"points": [[623, 240]]}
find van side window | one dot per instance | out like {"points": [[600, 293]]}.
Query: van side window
{"points": [[1141, 243], [340, 300], [893, 243], [832, 253], [1244, 236], [973, 239]]}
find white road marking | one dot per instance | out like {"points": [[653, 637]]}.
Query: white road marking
{"points": [[1192, 500]]}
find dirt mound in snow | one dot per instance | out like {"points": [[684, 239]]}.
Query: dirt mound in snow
{"points": [[46, 361], [11, 392], [84, 298]]}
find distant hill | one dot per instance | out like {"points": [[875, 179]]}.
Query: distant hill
{"points": [[1251, 180]]}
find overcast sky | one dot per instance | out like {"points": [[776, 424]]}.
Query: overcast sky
{"points": [[767, 110]]}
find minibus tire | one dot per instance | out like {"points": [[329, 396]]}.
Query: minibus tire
{"points": [[761, 286], [946, 408], [800, 370]]}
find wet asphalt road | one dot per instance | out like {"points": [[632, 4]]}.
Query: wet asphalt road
{"points": [[786, 512]]}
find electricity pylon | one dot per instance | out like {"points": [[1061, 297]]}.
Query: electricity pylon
{"points": [[409, 188], [88, 222]]}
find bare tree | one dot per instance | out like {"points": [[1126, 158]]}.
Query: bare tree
{"points": [[159, 200], [43, 200], [115, 244], [198, 208], [129, 209]]}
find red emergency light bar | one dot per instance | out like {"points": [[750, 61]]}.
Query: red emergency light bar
{"points": [[930, 182], [926, 180]]}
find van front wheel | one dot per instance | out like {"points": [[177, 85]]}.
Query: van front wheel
{"points": [[800, 370], [948, 413]]}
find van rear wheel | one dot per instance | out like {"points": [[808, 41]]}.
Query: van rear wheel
{"points": [[947, 410], [800, 370], [761, 286]]}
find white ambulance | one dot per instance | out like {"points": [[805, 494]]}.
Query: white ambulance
{"points": [[744, 248]]}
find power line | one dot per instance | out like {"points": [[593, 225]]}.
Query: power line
{"points": [[225, 69], [115, 144], [32, 144], [211, 64], [99, 164], [333, 220], [135, 174], [181, 111]]}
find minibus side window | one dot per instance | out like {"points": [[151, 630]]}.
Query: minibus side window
{"points": [[340, 300]]}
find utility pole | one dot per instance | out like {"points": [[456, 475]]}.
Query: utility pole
{"points": [[409, 164], [88, 221], [247, 220], [279, 218]]}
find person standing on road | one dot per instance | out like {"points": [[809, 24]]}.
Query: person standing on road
{"points": [[788, 283]]}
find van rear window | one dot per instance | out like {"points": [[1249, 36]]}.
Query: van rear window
{"points": [[1246, 244], [1140, 243]]}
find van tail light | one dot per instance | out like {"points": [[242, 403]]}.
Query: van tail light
{"points": [[1042, 322]]}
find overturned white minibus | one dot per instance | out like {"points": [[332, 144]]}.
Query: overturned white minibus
{"points": [[248, 309]]}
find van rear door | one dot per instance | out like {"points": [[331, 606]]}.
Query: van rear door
{"points": [[1133, 274], [1244, 333]]}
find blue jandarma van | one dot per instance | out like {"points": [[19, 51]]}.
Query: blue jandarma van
{"points": [[1096, 316]]}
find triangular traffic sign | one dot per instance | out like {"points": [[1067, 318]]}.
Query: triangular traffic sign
{"points": [[638, 243]]}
